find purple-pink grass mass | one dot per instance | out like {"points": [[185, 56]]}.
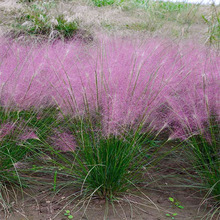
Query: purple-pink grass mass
{"points": [[157, 82]]}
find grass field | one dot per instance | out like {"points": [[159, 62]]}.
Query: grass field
{"points": [[109, 109]]}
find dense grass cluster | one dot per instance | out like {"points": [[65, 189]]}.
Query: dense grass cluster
{"points": [[36, 20], [122, 80], [105, 104]]}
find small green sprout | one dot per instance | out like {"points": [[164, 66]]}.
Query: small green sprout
{"points": [[68, 214], [176, 203], [171, 199], [172, 216]]}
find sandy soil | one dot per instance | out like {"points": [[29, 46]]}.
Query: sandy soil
{"points": [[150, 204], [149, 201]]}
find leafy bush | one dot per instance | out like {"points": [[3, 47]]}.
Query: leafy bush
{"points": [[66, 29], [37, 21]]}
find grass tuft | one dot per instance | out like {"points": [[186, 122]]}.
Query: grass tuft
{"points": [[36, 20]]}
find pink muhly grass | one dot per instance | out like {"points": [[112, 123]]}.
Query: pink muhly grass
{"points": [[28, 134], [6, 129], [63, 141], [195, 98], [153, 82], [22, 132]]}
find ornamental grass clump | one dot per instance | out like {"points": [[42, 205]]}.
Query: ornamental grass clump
{"points": [[120, 80], [12, 142], [105, 166], [195, 118], [112, 91], [15, 147], [202, 149], [205, 148], [21, 136], [23, 142], [89, 83]]}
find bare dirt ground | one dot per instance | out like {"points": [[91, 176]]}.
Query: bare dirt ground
{"points": [[149, 204], [148, 201]]}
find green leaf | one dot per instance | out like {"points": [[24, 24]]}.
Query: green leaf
{"points": [[205, 19], [168, 215], [67, 211], [171, 199], [70, 217], [181, 207], [175, 214]]}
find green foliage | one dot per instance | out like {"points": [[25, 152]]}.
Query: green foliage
{"points": [[10, 151], [172, 216], [37, 21], [55, 181], [68, 214], [100, 3], [171, 6], [134, 4], [175, 203], [213, 23], [66, 29], [106, 165], [13, 151], [204, 153], [171, 11], [14, 124], [162, 7], [20, 148], [171, 199], [147, 26], [158, 13], [42, 121]]}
